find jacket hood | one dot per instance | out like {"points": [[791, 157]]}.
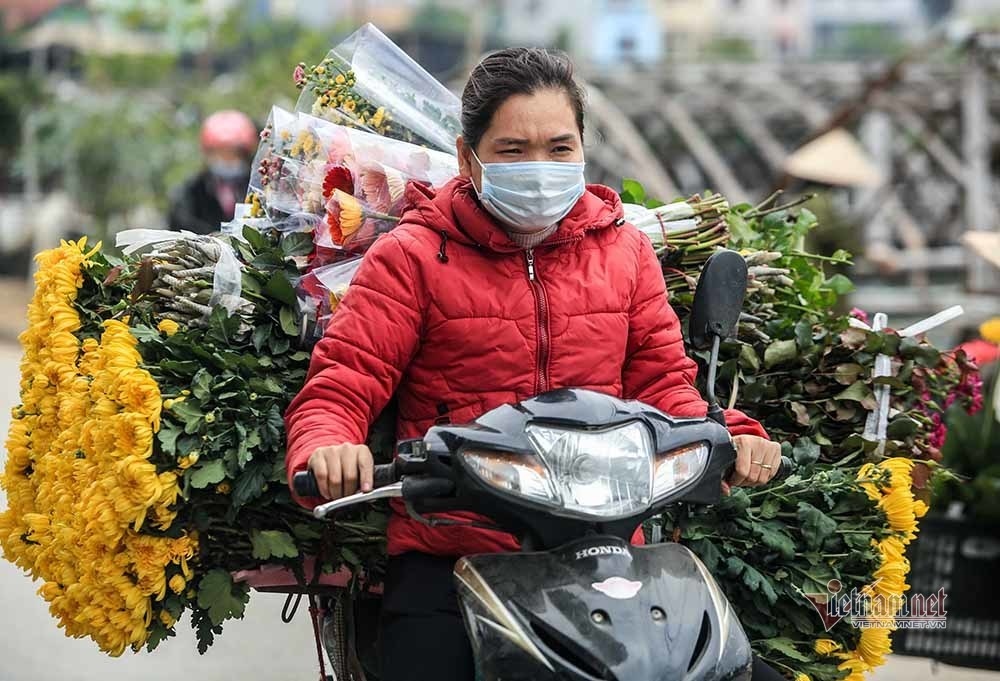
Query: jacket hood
{"points": [[455, 211]]}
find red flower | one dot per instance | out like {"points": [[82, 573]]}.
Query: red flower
{"points": [[337, 177]]}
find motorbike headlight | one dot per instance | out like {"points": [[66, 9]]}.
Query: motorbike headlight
{"points": [[606, 473], [677, 467], [523, 474]]}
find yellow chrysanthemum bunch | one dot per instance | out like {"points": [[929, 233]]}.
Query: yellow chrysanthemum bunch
{"points": [[78, 478], [895, 498]]}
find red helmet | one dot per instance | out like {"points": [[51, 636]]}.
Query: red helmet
{"points": [[229, 129]]}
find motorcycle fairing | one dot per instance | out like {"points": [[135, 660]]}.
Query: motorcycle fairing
{"points": [[600, 609]]}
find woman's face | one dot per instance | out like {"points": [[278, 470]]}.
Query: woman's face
{"points": [[536, 127]]}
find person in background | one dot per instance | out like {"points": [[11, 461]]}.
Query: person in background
{"points": [[984, 347], [228, 142]]}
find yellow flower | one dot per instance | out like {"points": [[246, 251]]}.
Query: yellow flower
{"points": [[856, 668], [920, 508], [900, 468], [188, 460], [169, 404], [223, 488], [865, 474], [825, 646], [891, 584], [874, 646], [990, 330], [340, 80], [802, 677], [350, 213], [167, 619], [891, 548], [168, 327], [177, 584], [898, 508]]}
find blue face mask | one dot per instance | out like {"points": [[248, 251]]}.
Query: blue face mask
{"points": [[530, 196], [229, 170]]}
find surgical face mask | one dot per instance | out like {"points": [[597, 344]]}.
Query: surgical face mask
{"points": [[228, 170], [530, 196]]}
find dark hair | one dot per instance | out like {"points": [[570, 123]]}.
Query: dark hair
{"points": [[515, 71]]}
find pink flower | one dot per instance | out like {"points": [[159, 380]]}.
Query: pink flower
{"points": [[299, 75], [375, 187], [860, 314]]}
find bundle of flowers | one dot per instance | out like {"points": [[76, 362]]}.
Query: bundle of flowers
{"points": [[146, 459]]}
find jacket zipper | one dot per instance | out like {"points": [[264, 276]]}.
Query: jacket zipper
{"points": [[542, 317]]}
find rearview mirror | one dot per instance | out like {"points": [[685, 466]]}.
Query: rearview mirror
{"points": [[718, 300]]}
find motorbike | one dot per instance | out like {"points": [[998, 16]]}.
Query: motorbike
{"points": [[572, 473]]}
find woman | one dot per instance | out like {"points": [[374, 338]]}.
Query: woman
{"points": [[513, 279]]}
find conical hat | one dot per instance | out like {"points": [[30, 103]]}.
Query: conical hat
{"points": [[984, 244], [834, 158]]}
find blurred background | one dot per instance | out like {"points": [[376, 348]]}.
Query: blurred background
{"points": [[887, 110]]}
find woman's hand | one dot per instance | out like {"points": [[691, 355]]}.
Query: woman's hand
{"points": [[341, 469], [757, 461]]}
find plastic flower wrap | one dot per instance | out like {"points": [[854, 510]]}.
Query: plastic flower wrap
{"points": [[319, 292], [344, 185], [367, 82]]}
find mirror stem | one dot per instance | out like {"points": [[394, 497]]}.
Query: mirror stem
{"points": [[715, 412]]}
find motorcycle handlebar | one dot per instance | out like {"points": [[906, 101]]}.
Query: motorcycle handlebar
{"points": [[785, 468], [305, 485]]}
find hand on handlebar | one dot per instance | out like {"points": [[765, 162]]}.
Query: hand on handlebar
{"points": [[342, 470], [757, 461]]}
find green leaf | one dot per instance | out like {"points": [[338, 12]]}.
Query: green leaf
{"points": [[847, 374], [786, 647], [772, 534], [296, 244], [801, 413], [260, 336], [769, 508], [280, 288], [249, 485], [815, 525], [634, 190], [734, 566], [839, 284], [757, 582], [168, 438], [780, 352], [201, 386], [805, 451], [272, 544], [289, 321], [856, 392], [157, 635], [207, 473], [803, 333], [901, 428], [256, 240], [708, 553], [221, 597], [145, 334], [748, 358]]}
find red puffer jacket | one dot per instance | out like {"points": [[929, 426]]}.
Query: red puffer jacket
{"points": [[446, 311]]}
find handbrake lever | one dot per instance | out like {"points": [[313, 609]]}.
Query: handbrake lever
{"points": [[388, 492]]}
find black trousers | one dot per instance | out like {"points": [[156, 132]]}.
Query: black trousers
{"points": [[422, 636]]}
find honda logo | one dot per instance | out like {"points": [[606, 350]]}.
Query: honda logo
{"points": [[601, 551]]}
